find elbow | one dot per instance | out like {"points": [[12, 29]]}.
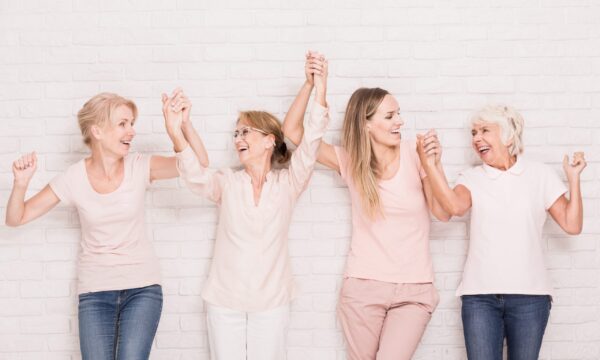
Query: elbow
{"points": [[11, 223], [574, 230]]}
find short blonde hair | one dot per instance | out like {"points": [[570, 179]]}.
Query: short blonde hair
{"points": [[510, 121], [98, 110]]}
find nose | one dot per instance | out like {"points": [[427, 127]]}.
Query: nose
{"points": [[400, 120], [132, 131]]}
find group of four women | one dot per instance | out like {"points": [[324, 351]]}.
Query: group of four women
{"points": [[387, 296]]}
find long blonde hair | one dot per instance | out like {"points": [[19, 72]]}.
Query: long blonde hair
{"points": [[363, 164]]}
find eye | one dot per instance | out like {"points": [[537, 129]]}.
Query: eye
{"points": [[245, 132]]}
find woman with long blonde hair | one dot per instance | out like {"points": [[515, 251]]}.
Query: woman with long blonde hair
{"points": [[387, 297]]}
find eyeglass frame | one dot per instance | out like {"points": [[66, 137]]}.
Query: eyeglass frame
{"points": [[247, 129]]}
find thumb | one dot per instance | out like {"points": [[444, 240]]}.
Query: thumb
{"points": [[566, 161], [164, 97]]}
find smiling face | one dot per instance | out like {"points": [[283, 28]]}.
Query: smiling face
{"points": [[487, 143], [252, 144], [117, 135], [384, 125]]}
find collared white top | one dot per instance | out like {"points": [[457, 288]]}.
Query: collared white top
{"points": [[251, 268], [509, 208]]}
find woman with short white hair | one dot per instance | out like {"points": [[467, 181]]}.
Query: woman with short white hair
{"points": [[505, 289]]}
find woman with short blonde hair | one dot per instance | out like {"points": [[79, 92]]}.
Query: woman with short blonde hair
{"points": [[118, 275]]}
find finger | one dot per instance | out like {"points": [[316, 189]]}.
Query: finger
{"points": [[566, 161], [20, 163], [164, 97], [34, 158], [29, 160]]}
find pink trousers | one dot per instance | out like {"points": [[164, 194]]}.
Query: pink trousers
{"points": [[384, 321]]}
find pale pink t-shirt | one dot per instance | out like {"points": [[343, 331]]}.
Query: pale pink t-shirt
{"points": [[395, 248], [115, 252]]}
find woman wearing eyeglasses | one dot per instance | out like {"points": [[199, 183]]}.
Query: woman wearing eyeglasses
{"points": [[250, 285]]}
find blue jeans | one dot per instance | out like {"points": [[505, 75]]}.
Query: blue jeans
{"points": [[120, 324], [488, 319]]}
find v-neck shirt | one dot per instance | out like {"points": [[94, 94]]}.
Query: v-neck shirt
{"points": [[251, 267]]}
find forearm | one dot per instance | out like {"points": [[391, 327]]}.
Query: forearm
{"points": [[293, 123], [444, 197], [15, 209], [192, 137], [574, 210], [434, 205]]}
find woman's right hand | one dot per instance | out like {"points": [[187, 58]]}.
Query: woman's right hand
{"points": [[429, 149], [312, 66], [174, 121], [24, 167], [319, 67]]}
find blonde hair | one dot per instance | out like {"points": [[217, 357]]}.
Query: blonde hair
{"points": [[98, 110], [268, 123], [510, 121], [362, 161]]}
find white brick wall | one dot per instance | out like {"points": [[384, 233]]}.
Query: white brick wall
{"points": [[441, 59]]}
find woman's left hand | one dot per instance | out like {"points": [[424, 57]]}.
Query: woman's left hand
{"points": [[574, 168]]}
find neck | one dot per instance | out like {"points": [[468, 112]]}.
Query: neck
{"points": [[103, 164], [506, 162], [258, 171], [385, 155]]}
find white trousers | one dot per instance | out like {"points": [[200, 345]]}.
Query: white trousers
{"points": [[238, 335]]}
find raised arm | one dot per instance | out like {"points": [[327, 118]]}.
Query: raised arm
{"points": [[568, 213], [19, 211], [293, 128], [176, 110], [443, 201]]}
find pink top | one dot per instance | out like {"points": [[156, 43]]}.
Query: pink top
{"points": [[115, 252], [394, 248], [251, 269]]}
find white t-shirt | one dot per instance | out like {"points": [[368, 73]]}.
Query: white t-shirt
{"points": [[509, 208]]}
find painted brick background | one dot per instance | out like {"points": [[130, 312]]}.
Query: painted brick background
{"points": [[441, 59]]}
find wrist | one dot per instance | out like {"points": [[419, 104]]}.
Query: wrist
{"points": [[21, 184], [308, 85]]}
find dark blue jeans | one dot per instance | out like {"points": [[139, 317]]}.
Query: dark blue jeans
{"points": [[119, 325], [488, 319]]}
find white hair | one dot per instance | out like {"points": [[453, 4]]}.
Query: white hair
{"points": [[509, 120]]}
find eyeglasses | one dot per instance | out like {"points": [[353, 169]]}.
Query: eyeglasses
{"points": [[243, 132]]}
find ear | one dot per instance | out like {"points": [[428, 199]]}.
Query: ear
{"points": [[269, 141], [96, 132]]}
